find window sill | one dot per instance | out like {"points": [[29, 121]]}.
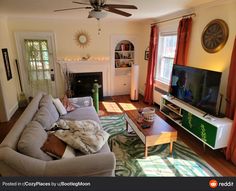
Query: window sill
{"points": [[157, 81], [163, 86]]}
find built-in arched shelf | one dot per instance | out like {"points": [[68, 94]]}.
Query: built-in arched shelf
{"points": [[124, 54]]}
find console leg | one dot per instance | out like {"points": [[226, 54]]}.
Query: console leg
{"points": [[127, 125]]}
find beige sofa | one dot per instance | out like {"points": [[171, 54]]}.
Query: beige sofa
{"points": [[14, 163]]}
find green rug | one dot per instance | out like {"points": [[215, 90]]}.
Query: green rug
{"points": [[130, 161]]}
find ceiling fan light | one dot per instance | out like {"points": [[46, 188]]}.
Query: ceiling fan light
{"points": [[97, 14]]}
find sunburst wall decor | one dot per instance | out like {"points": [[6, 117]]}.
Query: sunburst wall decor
{"points": [[82, 38]]}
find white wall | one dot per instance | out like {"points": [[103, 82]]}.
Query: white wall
{"points": [[8, 92], [66, 46], [219, 61], [65, 31], [198, 57], [143, 63]]}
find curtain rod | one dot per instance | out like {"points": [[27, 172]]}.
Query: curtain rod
{"points": [[191, 14]]}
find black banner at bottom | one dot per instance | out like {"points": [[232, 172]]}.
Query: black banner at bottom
{"points": [[118, 183]]}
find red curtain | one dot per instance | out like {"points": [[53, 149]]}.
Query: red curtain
{"points": [[231, 88], [148, 95], [231, 107], [183, 40], [231, 148]]}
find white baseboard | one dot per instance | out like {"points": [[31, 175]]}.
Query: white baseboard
{"points": [[12, 111]]}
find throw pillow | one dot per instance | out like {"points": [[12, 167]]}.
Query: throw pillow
{"points": [[45, 118], [31, 140], [67, 104], [57, 148], [60, 108], [46, 101]]}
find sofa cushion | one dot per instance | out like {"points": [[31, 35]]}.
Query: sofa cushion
{"points": [[31, 140], [45, 118], [47, 102], [57, 148], [82, 113], [81, 101]]}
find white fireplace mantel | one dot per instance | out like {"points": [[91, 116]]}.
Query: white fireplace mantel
{"points": [[85, 66]]}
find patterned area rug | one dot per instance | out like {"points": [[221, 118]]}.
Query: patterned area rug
{"points": [[130, 161]]}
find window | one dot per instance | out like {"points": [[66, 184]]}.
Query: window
{"points": [[166, 53], [38, 59]]}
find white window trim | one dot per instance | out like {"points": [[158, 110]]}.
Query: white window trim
{"points": [[158, 65]]}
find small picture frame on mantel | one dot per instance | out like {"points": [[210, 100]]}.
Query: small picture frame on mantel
{"points": [[7, 63]]}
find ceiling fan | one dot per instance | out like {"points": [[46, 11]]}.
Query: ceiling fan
{"points": [[99, 6]]}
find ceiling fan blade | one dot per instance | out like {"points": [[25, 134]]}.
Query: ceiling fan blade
{"points": [[69, 9], [119, 12], [120, 6], [80, 3]]}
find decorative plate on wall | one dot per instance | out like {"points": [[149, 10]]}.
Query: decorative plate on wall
{"points": [[82, 38], [215, 35]]}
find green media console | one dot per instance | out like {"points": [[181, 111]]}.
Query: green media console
{"points": [[212, 131]]}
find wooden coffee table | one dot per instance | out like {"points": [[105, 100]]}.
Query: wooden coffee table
{"points": [[158, 133]]}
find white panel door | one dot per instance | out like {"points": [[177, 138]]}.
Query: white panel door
{"points": [[36, 61]]}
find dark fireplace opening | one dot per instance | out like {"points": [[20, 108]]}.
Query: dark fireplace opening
{"points": [[82, 84]]}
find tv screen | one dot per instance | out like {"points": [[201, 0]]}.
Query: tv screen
{"points": [[197, 87]]}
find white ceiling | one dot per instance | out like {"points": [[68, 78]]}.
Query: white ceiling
{"points": [[44, 8]]}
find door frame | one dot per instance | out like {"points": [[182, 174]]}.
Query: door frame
{"points": [[19, 38]]}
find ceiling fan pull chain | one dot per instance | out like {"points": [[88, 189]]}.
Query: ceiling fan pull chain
{"points": [[99, 27]]}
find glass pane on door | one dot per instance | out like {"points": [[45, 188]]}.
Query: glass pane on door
{"points": [[38, 65]]}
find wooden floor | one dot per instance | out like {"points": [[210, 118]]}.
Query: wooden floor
{"points": [[6, 126], [113, 106]]}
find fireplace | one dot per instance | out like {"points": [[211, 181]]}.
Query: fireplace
{"points": [[82, 84]]}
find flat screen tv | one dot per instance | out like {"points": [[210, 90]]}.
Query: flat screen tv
{"points": [[197, 87]]}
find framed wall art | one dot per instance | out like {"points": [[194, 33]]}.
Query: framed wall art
{"points": [[215, 36], [146, 56], [82, 38], [7, 63]]}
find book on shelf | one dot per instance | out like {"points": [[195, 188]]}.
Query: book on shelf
{"points": [[174, 116], [174, 107]]}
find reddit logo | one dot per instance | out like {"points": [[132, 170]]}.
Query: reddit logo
{"points": [[213, 183]]}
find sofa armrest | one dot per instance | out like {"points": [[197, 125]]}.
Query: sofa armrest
{"points": [[19, 164], [100, 164], [82, 101]]}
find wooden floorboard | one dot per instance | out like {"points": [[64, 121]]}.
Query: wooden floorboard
{"points": [[5, 127], [215, 158]]}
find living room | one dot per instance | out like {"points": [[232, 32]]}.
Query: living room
{"points": [[65, 31]]}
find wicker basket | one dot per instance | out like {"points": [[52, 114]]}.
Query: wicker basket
{"points": [[148, 114]]}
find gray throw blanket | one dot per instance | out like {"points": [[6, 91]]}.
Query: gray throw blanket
{"points": [[85, 135]]}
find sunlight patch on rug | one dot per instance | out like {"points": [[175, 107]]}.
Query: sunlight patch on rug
{"points": [[187, 167], [130, 161], [155, 166], [111, 107]]}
